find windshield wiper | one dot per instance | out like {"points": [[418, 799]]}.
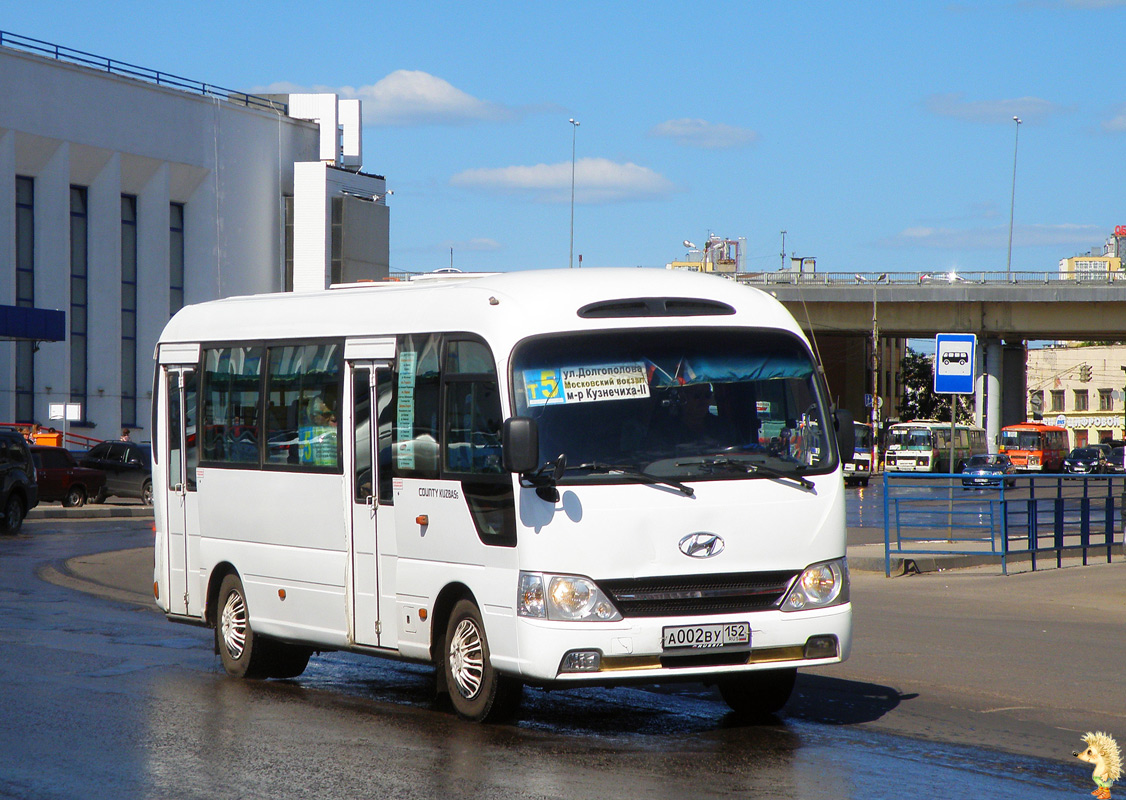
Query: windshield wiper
{"points": [[751, 468], [630, 472]]}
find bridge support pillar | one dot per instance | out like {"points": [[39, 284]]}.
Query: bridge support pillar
{"points": [[991, 378]]}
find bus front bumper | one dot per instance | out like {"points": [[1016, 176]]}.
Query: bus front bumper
{"points": [[630, 651]]}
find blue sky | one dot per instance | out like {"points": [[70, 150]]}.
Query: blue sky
{"points": [[879, 135]]}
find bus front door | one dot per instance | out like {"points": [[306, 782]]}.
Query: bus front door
{"points": [[180, 394], [370, 387]]}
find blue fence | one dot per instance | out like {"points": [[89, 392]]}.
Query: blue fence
{"points": [[1025, 516]]}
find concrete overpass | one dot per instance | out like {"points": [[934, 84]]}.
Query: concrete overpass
{"points": [[1003, 310]]}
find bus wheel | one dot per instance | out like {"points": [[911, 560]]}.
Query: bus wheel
{"points": [[758, 694], [286, 660], [243, 653], [478, 692]]}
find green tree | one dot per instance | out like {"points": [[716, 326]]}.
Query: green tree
{"points": [[919, 400]]}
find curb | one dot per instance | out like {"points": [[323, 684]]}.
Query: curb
{"points": [[870, 558], [87, 512]]}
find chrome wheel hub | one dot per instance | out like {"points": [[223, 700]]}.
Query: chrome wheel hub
{"points": [[467, 659]]}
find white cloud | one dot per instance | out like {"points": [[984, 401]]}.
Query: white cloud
{"points": [[597, 180], [412, 97], [704, 134], [998, 236], [1000, 111], [1117, 124]]}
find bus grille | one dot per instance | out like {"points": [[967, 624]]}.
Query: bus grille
{"points": [[683, 595]]}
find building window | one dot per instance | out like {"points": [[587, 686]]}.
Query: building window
{"points": [[336, 263], [78, 275], [175, 257], [1036, 400], [1057, 400], [25, 295], [287, 281], [129, 310], [1106, 400], [1080, 399]]}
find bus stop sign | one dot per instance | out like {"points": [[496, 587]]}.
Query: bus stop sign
{"points": [[954, 357]]}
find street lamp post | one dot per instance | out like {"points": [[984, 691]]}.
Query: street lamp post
{"points": [[1012, 203], [574, 135]]}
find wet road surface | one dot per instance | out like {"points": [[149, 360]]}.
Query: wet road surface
{"points": [[104, 698]]}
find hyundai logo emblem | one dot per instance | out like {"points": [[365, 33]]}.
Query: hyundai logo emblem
{"points": [[701, 545]]}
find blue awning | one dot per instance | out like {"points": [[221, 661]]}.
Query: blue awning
{"points": [[36, 324]]}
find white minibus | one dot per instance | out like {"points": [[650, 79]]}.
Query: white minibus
{"points": [[548, 478]]}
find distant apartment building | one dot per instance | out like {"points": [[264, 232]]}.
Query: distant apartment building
{"points": [[1079, 388], [127, 193], [1101, 263]]}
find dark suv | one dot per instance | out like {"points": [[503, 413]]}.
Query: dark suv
{"points": [[18, 491], [128, 469]]}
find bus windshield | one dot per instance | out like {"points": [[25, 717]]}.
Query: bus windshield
{"points": [[1021, 440], [690, 404], [913, 439], [863, 437]]}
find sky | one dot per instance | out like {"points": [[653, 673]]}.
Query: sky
{"points": [[878, 135]]}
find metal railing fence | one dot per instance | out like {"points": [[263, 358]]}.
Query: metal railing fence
{"points": [[113, 66], [1022, 516]]}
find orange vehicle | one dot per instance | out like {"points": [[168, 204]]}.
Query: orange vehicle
{"points": [[1034, 446]]}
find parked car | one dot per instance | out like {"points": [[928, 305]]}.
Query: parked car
{"points": [[19, 492], [988, 470], [128, 469], [1085, 461], [61, 478], [1116, 461]]}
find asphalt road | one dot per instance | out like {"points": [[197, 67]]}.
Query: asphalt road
{"points": [[960, 683], [1023, 663]]}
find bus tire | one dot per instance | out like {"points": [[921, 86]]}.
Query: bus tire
{"points": [[758, 694], [243, 653], [286, 660], [478, 692]]}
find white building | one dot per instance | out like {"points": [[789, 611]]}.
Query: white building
{"points": [[126, 193]]}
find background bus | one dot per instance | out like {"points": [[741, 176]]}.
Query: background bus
{"points": [[923, 445], [1034, 446], [859, 470]]}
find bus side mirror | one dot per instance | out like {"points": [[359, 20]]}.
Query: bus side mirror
{"points": [[520, 442], [846, 434]]}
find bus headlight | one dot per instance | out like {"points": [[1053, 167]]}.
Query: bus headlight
{"points": [[819, 586], [571, 598]]}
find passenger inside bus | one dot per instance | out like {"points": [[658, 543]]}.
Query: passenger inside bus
{"points": [[694, 419]]}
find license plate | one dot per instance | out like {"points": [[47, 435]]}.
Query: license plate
{"points": [[700, 637]]}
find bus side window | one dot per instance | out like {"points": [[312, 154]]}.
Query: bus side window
{"points": [[416, 405], [473, 414]]}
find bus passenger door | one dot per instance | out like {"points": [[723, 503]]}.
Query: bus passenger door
{"points": [[370, 386], [180, 391]]}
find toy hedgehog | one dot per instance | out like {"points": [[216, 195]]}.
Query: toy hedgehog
{"points": [[1103, 752]]}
